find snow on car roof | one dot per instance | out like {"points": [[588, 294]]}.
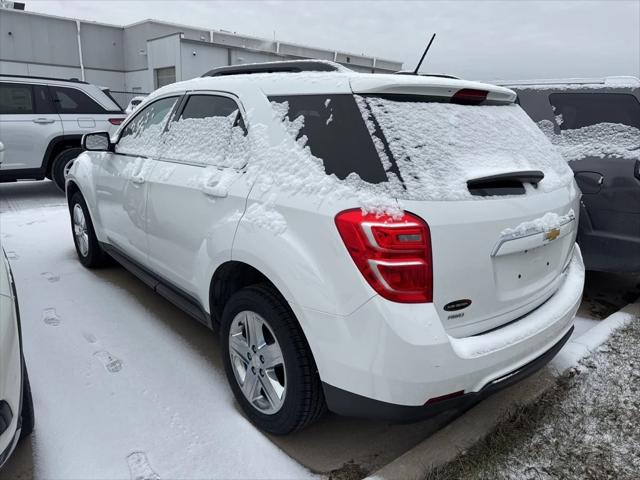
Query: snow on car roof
{"points": [[343, 81]]}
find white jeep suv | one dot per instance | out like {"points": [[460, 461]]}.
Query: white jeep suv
{"points": [[386, 246], [42, 121]]}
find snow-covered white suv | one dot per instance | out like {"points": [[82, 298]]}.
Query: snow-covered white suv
{"points": [[42, 121], [386, 246]]}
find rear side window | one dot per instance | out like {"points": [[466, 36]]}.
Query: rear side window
{"points": [[74, 101], [16, 99], [205, 132], [42, 99], [337, 134], [577, 110], [142, 135]]}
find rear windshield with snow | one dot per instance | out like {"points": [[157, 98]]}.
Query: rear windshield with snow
{"points": [[428, 149]]}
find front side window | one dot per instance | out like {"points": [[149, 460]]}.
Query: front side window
{"points": [[73, 101], [209, 131], [577, 110], [16, 99], [142, 135], [594, 124]]}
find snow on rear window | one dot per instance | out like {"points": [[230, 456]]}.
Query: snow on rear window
{"points": [[599, 140], [439, 146]]}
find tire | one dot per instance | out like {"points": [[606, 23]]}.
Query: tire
{"points": [[89, 251], [27, 415], [302, 402], [59, 164]]}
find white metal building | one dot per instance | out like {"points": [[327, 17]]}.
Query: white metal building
{"points": [[143, 56]]}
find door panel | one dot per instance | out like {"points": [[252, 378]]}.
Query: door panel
{"points": [[121, 180], [196, 196], [28, 123], [188, 222]]}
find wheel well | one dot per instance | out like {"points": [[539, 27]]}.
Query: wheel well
{"points": [[57, 146], [229, 278], [72, 188]]}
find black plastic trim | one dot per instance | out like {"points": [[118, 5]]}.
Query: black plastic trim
{"points": [[350, 404], [184, 301]]}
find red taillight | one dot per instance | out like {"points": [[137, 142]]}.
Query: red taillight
{"points": [[394, 256], [115, 121], [469, 96]]}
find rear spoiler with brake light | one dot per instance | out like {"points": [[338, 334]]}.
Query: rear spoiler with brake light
{"points": [[460, 91]]}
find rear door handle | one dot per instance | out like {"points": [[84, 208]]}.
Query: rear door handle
{"points": [[43, 120], [138, 179]]}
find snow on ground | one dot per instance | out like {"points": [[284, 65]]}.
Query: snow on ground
{"points": [[118, 383], [124, 383], [586, 427]]}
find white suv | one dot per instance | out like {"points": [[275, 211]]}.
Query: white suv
{"points": [[42, 121], [386, 246]]}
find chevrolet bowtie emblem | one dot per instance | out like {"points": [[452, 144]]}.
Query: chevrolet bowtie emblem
{"points": [[552, 234]]}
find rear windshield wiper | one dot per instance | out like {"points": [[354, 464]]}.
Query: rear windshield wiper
{"points": [[511, 183]]}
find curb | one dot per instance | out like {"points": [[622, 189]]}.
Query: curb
{"points": [[474, 425]]}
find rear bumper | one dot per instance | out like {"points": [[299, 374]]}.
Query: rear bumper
{"points": [[353, 405], [391, 359]]}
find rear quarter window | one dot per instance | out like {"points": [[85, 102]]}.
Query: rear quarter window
{"points": [[336, 133], [74, 101]]}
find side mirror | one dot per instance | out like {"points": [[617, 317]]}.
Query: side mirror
{"points": [[96, 142]]}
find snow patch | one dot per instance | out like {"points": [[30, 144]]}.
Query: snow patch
{"points": [[547, 222], [599, 140]]}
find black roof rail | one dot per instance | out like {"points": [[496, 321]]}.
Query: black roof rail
{"points": [[72, 80], [274, 67], [439, 75]]}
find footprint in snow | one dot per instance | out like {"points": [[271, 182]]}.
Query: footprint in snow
{"points": [[11, 255], [50, 276], [111, 363], [50, 317], [139, 467], [89, 337]]}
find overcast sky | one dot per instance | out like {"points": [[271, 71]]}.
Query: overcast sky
{"points": [[480, 40]]}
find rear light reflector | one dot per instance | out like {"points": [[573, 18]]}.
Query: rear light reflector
{"points": [[115, 121], [442, 398], [469, 96], [394, 256]]}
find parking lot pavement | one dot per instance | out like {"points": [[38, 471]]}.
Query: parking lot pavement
{"points": [[123, 381]]}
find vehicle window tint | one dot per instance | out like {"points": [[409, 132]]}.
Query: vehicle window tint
{"points": [[16, 99], [43, 101], [141, 135], [577, 110], [73, 101], [205, 132], [337, 134]]}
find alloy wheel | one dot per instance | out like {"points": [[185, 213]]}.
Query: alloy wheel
{"points": [[257, 362], [80, 230]]}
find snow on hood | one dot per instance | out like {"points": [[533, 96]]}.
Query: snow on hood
{"points": [[599, 140]]}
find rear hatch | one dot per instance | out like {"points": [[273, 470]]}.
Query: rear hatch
{"points": [[500, 202]]}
